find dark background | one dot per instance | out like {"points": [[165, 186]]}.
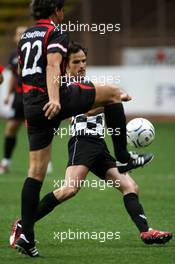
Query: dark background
{"points": [[144, 23]]}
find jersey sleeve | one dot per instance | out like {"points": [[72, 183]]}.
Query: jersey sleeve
{"points": [[58, 42]]}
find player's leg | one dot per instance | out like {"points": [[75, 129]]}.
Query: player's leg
{"points": [[11, 129], [105, 168], [110, 97], [40, 135], [40, 140], [31, 189], [30, 200], [81, 155], [129, 189], [74, 177], [32, 210]]}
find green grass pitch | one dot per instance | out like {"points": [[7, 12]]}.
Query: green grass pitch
{"points": [[94, 210]]}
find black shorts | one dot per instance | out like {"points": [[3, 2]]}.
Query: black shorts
{"points": [[18, 107], [91, 152], [75, 99]]}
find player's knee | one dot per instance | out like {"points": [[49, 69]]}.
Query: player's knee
{"points": [[114, 94], [130, 187], [107, 94], [133, 188]]}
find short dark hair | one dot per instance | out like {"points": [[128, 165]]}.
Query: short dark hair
{"points": [[75, 47], [41, 9]]}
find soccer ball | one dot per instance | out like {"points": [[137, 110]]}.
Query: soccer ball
{"points": [[140, 132]]}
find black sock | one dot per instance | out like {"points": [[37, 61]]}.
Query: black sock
{"points": [[136, 212], [9, 145], [30, 201], [115, 119], [46, 205]]}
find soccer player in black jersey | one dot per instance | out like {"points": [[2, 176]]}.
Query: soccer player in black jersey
{"points": [[88, 152], [42, 58], [13, 123]]}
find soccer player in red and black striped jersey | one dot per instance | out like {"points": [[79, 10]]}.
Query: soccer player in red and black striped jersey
{"points": [[47, 100], [14, 122]]}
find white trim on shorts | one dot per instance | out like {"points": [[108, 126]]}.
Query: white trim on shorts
{"points": [[74, 153]]}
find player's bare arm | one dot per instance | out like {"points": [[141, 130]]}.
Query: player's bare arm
{"points": [[53, 107]]}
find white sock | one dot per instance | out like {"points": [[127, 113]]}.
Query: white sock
{"points": [[6, 162]]}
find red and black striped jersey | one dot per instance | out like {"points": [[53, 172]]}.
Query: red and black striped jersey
{"points": [[36, 42]]}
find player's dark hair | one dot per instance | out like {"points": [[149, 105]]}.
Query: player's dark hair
{"points": [[45, 8], [75, 47]]}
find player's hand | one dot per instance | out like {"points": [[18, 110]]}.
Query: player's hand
{"points": [[125, 97], [51, 109]]}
